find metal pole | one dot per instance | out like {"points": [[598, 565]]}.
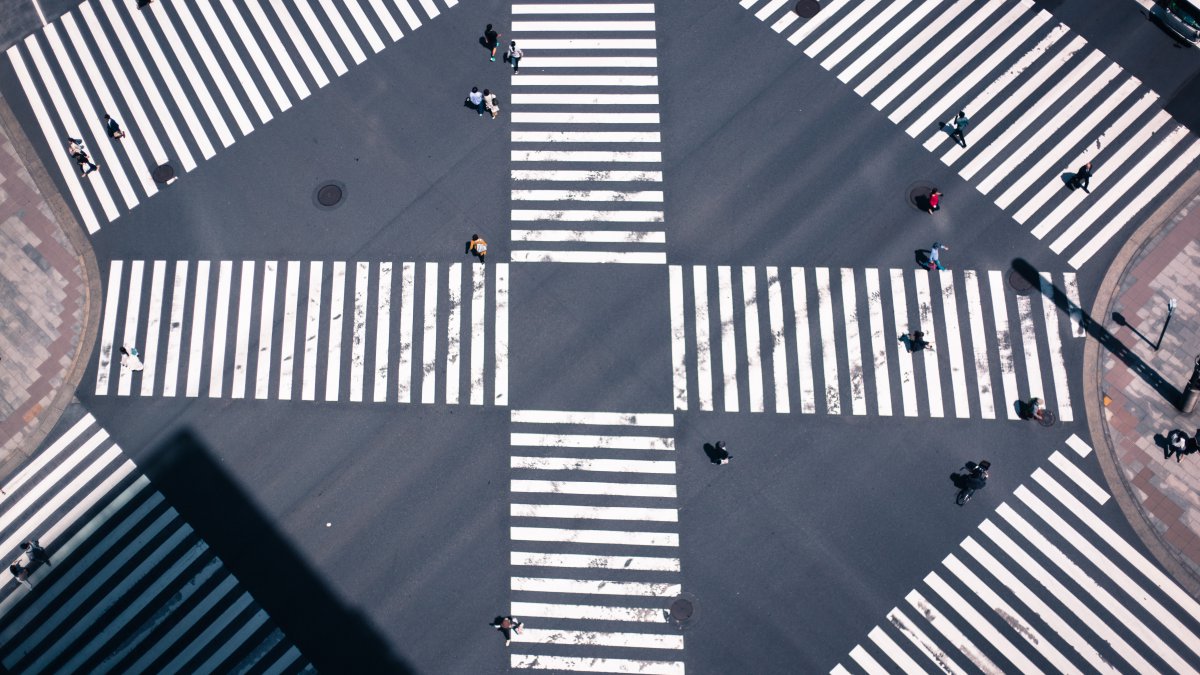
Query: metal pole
{"points": [[1192, 391], [1170, 310]]}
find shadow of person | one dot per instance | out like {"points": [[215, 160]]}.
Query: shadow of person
{"points": [[483, 42], [1161, 441], [715, 455], [1023, 409], [1068, 179], [962, 478], [921, 255]]}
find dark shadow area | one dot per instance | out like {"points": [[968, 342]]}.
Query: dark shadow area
{"points": [[1023, 409], [334, 637], [921, 255], [1106, 339], [1067, 178], [1120, 320], [965, 478], [716, 455]]}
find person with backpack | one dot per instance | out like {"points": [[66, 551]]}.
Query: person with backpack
{"points": [[513, 56]]}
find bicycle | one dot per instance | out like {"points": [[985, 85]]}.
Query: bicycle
{"points": [[976, 479]]}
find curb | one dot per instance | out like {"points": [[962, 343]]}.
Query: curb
{"points": [[1122, 491], [92, 293]]}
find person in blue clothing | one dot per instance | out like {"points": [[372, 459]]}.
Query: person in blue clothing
{"points": [[959, 124]]}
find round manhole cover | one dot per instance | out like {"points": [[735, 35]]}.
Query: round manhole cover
{"points": [[1019, 283], [329, 194], [164, 173], [681, 609], [918, 195], [807, 9]]}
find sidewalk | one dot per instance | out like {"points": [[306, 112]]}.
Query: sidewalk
{"points": [[49, 300], [1159, 496]]}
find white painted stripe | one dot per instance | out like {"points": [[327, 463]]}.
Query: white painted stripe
{"points": [[591, 236], [728, 338], [947, 628], [112, 301], [893, 650], [234, 59], [881, 45], [579, 176], [803, 343], [585, 8], [595, 639], [231, 643], [1034, 601], [622, 419], [704, 380], [153, 325], [80, 466], [383, 325], [778, 341], [587, 488], [1079, 446], [921, 641], [148, 86], [404, 362], [1068, 599], [953, 341], [753, 340], [582, 136], [614, 537], [580, 26], [43, 459], [285, 662], [1008, 373], [980, 624], [584, 118], [584, 156], [590, 257], [1058, 367], [604, 465], [1075, 308], [317, 28], [301, 44], [588, 62], [175, 329], [1081, 479], [785, 20], [199, 311], [593, 512], [1033, 366], [828, 343], [389, 24], [587, 216], [861, 35], [678, 338], [589, 43], [287, 345], [933, 375], [430, 8], [590, 612], [364, 25], [216, 376], [343, 31], [835, 31], [358, 330], [519, 98], [866, 661], [1135, 204], [827, 12], [858, 392], [453, 330], [979, 344], [478, 326], [192, 73], [908, 381], [53, 139], [839, 669], [588, 195], [603, 562], [241, 352], [501, 337], [200, 645], [879, 360], [766, 10], [592, 441], [281, 55], [590, 81], [1020, 625], [333, 365], [429, 339], [266, 327], [595, 664], [308, 384]]}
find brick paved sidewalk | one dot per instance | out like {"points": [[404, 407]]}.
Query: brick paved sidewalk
{"points": [[1159, 495], [48, 280]]}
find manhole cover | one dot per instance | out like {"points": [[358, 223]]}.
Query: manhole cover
{"points": [[681, 609], [329, 195], [1019, 283], [918, 195], [163, 173], [684, 611], [807, 9]]}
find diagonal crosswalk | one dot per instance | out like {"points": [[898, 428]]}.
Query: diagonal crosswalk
{"points": [[307, 330], [815, 339], [594, 541], [167, 73], [586, 157], [1045, 586], [130, 587], [1041, 101]]}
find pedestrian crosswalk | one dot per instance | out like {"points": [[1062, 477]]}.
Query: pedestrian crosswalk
{"points": [[311, 330], [586, 148], [108, 57], [130, 587], [1045, 586], [835, 341], [1041, 103], [595, 541]]}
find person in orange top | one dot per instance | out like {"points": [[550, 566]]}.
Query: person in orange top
{"points": [[479, 248]]}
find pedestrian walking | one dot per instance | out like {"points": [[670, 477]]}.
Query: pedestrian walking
{"points": [[959, 128], [1082, 178], [130, 358], [79, 154], [35, 552], [935, 257], [475, 100], [490, 102], [722, 453], [513, 56], [21, 573], [114, 128], [491, 40], [916, 341], [935, 200], [507, 625], [478, 248]]}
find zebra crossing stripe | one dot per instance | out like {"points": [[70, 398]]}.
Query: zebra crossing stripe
{"points": [[590, 81], [587, 488], [588, 62], [585, 136], [592, 441], [879, 360], [858, 397], [429, 343], [358, 329], [192, 74], [199, 315], [519, 98], [308, 384], [1008, 375], [893, 650], [866, 661], [958, 378], [566, 511], [590, 8], [478, 326], [407, 317], [175, 329], [623, 538], [1076, 443], [389, 24], [753, 341], [585, 156], [933, 377], [501, 339], [587, 176], [812, 24], [704, 377], [1033, 366], [364, 25], [987, 407], [827, 343], [319, 33], [202, 642], [590, 236], [1058, 368], [827, 37], [634, 257], [232, 58], [306, 53], [383, 325], [153, 325], [610, 562], [980, 624], [291, 299], [728, 344], [1075, 308], [453, 327], [540, 44], [601, 465], [594, 587], [583, 118], [921, 641], [591, 612], [241, 353], [595, 638], [262, 378], [678, 338], [216, 374], [880, 19], [778, 341], [908, 379], [598, 418], [133, 305], [598, 665], [581, 26], [333, 366], [950, 632]]}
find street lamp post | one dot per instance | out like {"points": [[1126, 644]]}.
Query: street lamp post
{"points": [[1170, 310], [1192, 391]]}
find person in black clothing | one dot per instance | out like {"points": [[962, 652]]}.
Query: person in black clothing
{"points": [[114, 128], [722, 455], [507, 625], [35, 551], [1082, 178], [491, 40]]}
